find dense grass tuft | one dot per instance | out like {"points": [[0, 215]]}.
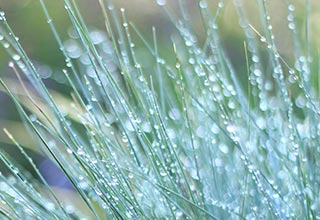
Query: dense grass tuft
{"points": [[181, 136]]}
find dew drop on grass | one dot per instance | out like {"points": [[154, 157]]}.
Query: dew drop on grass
{"points": [[44, 71], [33, 117], [161, 2], [223, 148], [146, 127], [97, 37], [80, 152], [300, 101], [291, 8], [231, 128], [261, 122], [130, 175], [191, 61], [14, 170], [203, 4], [137, 65], [292, 78], [73, 49], [231, 104], [50, 206], [161, 61], [139, 194], [70, 209], [174, 114], [188, 43], [162, 173], [200, 132], [124, 139], [215, 129], [11, 64], [129, 126], [1, 37], [214, 26], [291, 26], [178, 214], [290, 17], [6, 45]]}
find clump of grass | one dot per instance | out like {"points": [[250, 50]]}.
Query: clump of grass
{"points": [[177, 141]]}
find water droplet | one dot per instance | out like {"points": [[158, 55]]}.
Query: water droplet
{"points": [[161, 2], [33, 117], [300, 101], [261, 122], [146, 127], [174, 114], [215, 129], [15, 170], [97, 37], [50, 206], [255, 58], [203, 4], [231, 128], [290, 17], [191, 61], [188, 43], [220, 4], [200, 132], [223, 148], [291, 26], [231, 104], [11, 64], [162, 173], [16, 57], [80, 152], [6, 45], [291, 7], [72, 48], [178, 214], [124, 139], [70, 209], [137, 65]]}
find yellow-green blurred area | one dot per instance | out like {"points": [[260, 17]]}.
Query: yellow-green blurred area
{"points": [[29, 23]]}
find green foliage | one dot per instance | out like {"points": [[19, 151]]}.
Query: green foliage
{"points": [[148, 137]]}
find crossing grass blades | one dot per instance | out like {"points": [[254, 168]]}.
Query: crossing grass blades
{"points": [[184, 138]]}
